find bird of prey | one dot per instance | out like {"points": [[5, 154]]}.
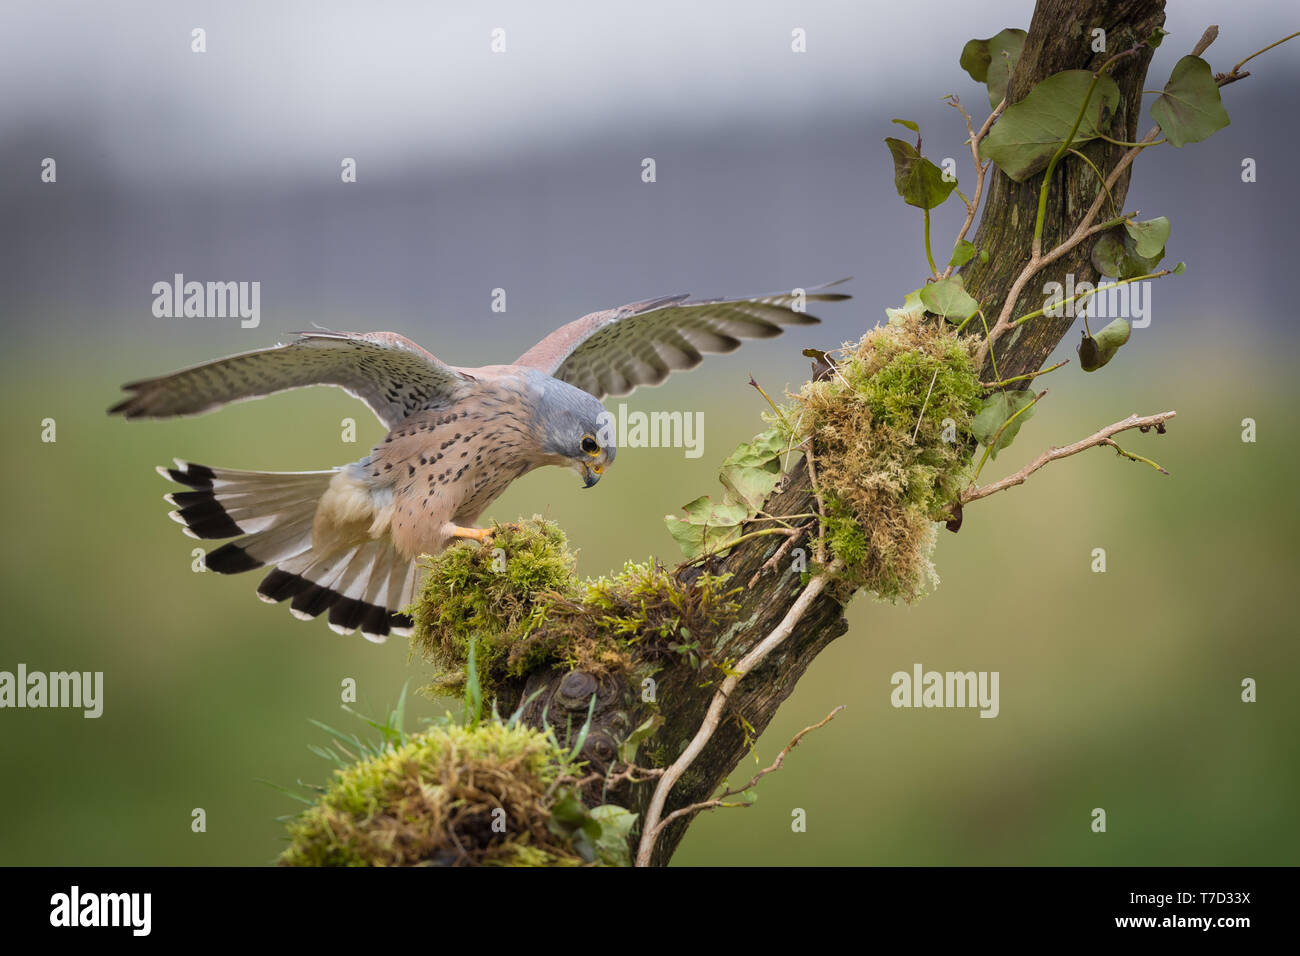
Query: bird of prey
{"points": [[346, 541]]}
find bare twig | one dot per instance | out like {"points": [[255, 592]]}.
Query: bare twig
{"points": [[981, 168], [771, 563], [817, 495], [652, 825], [920, 418], [1101, 438], [721, 799], [1209, 36], [1236, 73]]}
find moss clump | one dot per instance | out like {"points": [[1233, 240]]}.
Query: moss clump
{"points": [[889, 426], [488, 793], [434, 800], [643, 610], [519, 599], [491, 592]]}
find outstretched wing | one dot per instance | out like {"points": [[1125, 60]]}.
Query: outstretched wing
{"points": [[612, 352], [388, 372]]}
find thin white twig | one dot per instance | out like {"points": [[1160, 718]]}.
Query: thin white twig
{"points": [[721, 799], [981, 168], [920, 418], [652, 825], [1100, 439]]}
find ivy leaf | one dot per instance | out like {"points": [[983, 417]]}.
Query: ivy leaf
{"points": [[763, 448], [751, 486], [998, 409], [1089, 354], [569, 813], [704, 510], [1112, 337], [1094, 352], [696, 539], [949, 298], [753, 469], [908, 123], [1180, 268], [1108, 253], [615, 824], [628, 748], [984, 61], [1115, 254], [919, 181], [962, 253], [1149, 237], [1190, 108], [1031, 131], [912, 309], [708, 525], [749, 474]]}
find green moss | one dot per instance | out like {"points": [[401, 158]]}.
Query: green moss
{"points": [[890, 428], [495, 592], [847, 540], [519, 597], [451, 796], [635, 617]]}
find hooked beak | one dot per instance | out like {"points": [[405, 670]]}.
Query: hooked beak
{"points": [[591, 474]]}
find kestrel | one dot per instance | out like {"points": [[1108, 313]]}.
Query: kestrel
{"points": [[346, 540]]}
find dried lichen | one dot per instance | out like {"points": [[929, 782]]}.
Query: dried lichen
{"points": [[519, 598], [889, 429], [491, 795]]}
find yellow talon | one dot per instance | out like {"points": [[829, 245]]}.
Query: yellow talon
{"points": [[482, 535]]}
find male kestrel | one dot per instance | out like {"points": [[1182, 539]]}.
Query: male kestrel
{"points": [[346, 540]]}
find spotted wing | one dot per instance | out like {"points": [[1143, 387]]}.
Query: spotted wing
{"points": [[612, 352], [389, 372]]}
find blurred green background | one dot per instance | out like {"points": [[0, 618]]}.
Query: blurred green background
{"points": [[1118, 690]]}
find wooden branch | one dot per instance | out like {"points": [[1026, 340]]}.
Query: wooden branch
{"points": [[651, 827], [1101, 438], [1053, 45]]}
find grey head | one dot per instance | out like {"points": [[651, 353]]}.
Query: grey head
{"points": [[574, 428]]}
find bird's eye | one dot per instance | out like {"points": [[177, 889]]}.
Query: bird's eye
{"points": [[589, 445]]}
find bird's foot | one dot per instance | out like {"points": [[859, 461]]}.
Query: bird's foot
{"points": [[482, 535]]}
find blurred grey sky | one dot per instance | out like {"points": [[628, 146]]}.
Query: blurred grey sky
{"points": [[522, 170]]}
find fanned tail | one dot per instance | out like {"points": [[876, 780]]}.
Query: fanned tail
{"points": [[363, 585]]}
